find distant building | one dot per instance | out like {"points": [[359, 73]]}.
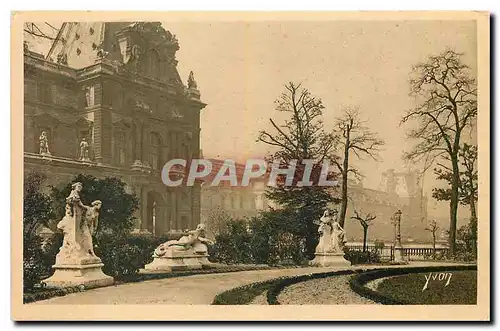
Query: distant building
{"points": [[239, 202], [116, 85], [398, 191]]}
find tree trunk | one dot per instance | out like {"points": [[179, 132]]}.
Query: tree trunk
{"points": [[310, 240], [365, 234], [455, 182], [434, 245], [345, 171], [472, 203], [473, 221]]}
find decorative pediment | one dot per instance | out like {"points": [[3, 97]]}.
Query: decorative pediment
{"points": [[44, 119], [121, 121], [154, 33], [84, 123], [146, 47]]}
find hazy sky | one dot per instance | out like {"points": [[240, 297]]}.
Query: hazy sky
{"points": [[241, 68]]}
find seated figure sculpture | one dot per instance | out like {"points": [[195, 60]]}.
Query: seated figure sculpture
{"points": [[193, 239], [188, 252]]}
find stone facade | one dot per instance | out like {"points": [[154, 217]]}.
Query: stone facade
{"points": [[384, 203], [237, 201], [117, 86]]}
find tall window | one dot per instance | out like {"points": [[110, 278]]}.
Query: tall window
{"points": [[155, 151], [252, 202], [150, 65], [120, 148], [44, 93], [89, 96], [185, 151], [154, 65]]}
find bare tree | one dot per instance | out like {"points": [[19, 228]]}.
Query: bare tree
{"points": [[468, 180], [433, 229], [300, 137], [365, 222], [446, 99], [216, 220], [354, 136]]}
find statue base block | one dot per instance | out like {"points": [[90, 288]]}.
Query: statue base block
{"points": [[329, 260], [88, 275], [179, 262]]}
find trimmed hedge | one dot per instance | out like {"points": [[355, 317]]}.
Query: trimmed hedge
{"points": [[45, 294], [358, 282], [243, 294]]}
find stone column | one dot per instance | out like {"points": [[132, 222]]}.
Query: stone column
{"points": [[398, 247]]}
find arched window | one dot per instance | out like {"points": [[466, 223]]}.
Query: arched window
{"points": [[120, 156], [155, 151]]}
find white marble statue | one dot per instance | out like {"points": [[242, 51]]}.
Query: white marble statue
{"points": [[76, 263], [194, 239], [44, 143], [84, 150], [332, 236], [78, 225]]}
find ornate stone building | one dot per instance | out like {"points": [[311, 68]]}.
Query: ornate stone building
{"points": [[398, 190], [238, 201], [116, 85]]}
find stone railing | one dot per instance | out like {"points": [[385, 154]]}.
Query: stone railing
{"points": [[414, 253], [422, 253]]}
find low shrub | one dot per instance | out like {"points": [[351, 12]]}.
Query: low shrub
{"points": [[34, 265], [147, 245], [255, 241], [124, 257], [359, 257]]}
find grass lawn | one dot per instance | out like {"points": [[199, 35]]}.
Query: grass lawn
{"points": [[461, 288]]}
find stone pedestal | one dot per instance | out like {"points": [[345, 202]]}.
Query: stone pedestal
{"points": [[87, 272], [399, 254], [329, 260], [178, 261]]}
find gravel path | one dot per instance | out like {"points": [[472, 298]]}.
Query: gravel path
{"points": [[324, 291], [191, 290], [202, 289]]}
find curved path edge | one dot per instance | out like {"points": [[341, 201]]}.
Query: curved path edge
{"points": [[192, 290]]}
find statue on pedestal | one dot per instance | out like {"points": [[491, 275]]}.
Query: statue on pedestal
{"points": [[191, 82], [78, 225], [76, 262], [330, 249], [44, 144], [187, 253], [332, 236], [84, 150], [193, 239]]}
